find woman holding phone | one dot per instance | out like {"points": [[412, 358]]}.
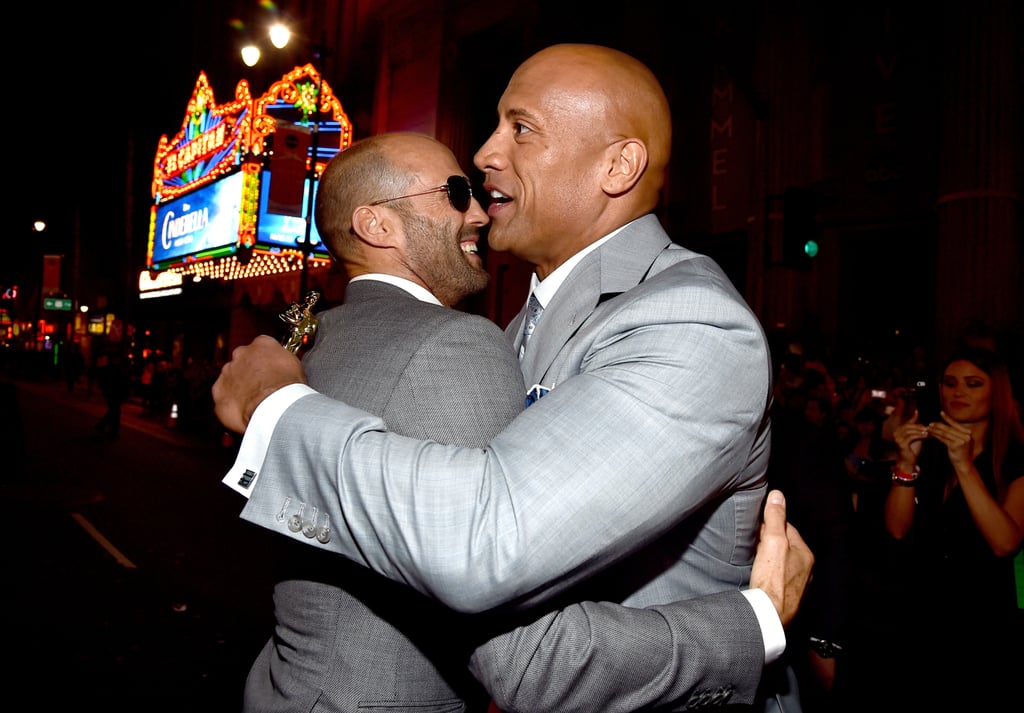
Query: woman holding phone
{"points": [[955, 512]]}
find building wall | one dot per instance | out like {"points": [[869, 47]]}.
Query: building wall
{"points": [[904, 122]]}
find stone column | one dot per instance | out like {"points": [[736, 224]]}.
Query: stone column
{"points": [[979, 255]]}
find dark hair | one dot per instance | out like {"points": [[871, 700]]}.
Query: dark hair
{"points": [[1004, 425]]}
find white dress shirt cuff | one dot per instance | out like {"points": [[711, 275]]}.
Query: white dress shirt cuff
{"points": [[771, 626], [253, 449]]}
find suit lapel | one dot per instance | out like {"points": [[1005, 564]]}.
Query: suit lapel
{"points": [[617, 266]]}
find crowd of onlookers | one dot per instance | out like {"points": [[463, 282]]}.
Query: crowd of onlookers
{"points": [[881, 627]]}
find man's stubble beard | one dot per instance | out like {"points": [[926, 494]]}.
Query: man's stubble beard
{"points": [[435, 256]]}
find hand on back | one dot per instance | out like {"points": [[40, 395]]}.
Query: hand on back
{"points": [[783, 563]]}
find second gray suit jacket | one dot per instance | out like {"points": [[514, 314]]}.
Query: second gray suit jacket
{"points": [[653, 444]]}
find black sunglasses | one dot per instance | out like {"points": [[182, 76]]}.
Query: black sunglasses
{"points": [[460, 193]]}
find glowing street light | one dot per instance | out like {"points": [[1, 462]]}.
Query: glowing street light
{"points": [[279, 35], [250, 55]]}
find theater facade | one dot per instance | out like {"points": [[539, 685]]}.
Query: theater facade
{"points": [[231, 238]]}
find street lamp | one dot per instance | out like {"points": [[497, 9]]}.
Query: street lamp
{"points": [[280, 35], [250, 55], [319, 53]]}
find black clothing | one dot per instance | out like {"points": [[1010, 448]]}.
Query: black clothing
{"points": [[955, 624], [807, 465]]}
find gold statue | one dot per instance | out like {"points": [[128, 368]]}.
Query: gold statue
{"points": [[302, 321]]}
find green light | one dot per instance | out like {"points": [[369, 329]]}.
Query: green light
{"points": [[811, 248]]}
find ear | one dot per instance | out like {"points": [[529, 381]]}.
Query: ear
{"points": [[375, 225], [627, 161]]}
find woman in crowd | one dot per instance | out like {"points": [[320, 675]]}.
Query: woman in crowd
{"points": [[955, 511]]}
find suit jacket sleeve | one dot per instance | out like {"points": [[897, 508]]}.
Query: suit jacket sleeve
{"points": [[597, 656], [668, 411]]}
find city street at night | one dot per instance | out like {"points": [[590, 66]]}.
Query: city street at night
{"points": [[130, 582]]}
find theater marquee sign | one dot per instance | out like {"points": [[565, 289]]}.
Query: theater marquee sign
{"points": [[214, 211]]}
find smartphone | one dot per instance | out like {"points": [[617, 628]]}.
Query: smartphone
{"points": [[878, 393], [927, 402]]}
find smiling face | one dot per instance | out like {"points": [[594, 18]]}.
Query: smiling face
{"points": [[550, 166], [437, 243], [442, 253], [541, 164], [966, 392]]}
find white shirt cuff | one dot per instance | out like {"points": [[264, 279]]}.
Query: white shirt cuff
{"points": [[771, 626], [253, 449]]}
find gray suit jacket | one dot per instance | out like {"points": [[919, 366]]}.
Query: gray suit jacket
{"points": [[654, 445], [346, 638]]}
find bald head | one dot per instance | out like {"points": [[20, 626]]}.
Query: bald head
{"points": [[385, 206], [364, 172], [617, 90]]}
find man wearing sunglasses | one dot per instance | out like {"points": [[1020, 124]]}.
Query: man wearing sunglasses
{"points": [[638, 474], [344, 637]]}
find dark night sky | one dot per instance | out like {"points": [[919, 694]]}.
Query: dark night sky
{"points": [[89, 85]]}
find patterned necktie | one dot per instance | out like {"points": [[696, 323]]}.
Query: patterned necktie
{"points": [[533, 312]]}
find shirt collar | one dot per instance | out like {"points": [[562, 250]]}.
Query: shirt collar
{"points": [[545, 289], [418, 291]]}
